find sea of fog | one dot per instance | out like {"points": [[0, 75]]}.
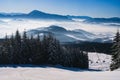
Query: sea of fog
{"points": [[9, 26]]}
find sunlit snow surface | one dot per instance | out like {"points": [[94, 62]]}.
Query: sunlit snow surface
{"points": [[99, 61], [9, 26], [61, 73], [50, 73]]}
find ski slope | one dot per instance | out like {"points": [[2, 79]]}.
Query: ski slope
{"points": [[50, 73], [32, 72], [99, 61]]}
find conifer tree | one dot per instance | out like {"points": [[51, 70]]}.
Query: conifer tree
{"points": [[5, 51], [17, 48], [38, 56], [25, 48], [54, 50], [116, 52]]}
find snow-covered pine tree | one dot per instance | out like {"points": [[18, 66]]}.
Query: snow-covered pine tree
{"points": [[11, 41], [5, 59], [25, 48], [116, 52], [52, 49], [45, 46], [17, 49], [38, 56]]}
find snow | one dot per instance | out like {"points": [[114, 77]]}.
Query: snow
{"points": [[32, 72], [51, 73], [99, 61], [118, 69]]}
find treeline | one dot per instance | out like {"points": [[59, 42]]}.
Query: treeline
{"points": [[21, 49], [91, 46]]}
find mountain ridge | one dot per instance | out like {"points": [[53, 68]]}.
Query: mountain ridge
{"points": [[64, 35], [36, 14]]}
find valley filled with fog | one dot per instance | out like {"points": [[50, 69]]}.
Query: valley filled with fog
{"points": [[100, 30]]}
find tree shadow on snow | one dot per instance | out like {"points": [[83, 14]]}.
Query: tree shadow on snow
{"points": [[49, 66]]}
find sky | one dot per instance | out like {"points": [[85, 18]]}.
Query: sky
{"points": [[93, 8]]}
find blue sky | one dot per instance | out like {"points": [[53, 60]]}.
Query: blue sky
{"points": [[93, 8]]}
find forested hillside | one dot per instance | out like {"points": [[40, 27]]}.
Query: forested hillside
{"points": [[21, 49]]}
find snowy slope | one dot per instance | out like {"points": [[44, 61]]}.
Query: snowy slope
{"points": [[99, 61], [33, 72], [50, 73]]}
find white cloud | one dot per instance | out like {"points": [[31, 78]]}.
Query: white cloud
{"points": [[11, 25]]}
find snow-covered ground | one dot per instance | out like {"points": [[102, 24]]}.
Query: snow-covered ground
{"points": [[50, 73], [99, 61], [62, 73]]}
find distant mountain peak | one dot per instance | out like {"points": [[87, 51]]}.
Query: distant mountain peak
{"points": [[36, 12], [42, 15], [56, 28]]}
